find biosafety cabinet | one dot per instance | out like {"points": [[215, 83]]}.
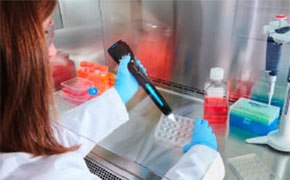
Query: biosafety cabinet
{"points": [[178, 41]]}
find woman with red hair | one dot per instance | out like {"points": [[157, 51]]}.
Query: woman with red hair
{"points": [[33, 145]]}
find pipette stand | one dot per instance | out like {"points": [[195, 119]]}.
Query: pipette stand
{"points": [[278, 139]]}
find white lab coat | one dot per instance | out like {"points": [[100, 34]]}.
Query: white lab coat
{"points": [[95, 120]]}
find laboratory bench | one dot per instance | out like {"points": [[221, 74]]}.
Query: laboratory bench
{"points": [[132, 151]]}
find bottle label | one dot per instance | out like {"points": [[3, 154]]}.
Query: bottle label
{"points": [[216, 92]]}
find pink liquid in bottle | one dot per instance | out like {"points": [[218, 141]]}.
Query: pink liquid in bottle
{"points": [[215, 109], [216, 98]]}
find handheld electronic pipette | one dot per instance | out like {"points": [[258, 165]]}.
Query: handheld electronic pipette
{"points": [[278, 32], [120, 49]]}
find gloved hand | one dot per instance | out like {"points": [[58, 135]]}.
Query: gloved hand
{"points": [[126, 85], [202, 134]]}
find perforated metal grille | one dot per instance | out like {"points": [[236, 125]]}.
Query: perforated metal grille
{"points": [[102, 172]]}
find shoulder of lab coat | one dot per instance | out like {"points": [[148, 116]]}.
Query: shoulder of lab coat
{"points": [[19, 165], [92, 121], [84, 126], [200, 162]]}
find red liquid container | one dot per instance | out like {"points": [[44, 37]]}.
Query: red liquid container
{"points": [[216, 97], [75, 90], [215, 109], [62, 69]]}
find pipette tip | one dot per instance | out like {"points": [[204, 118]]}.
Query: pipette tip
{"points": [[269, 101], [171, 117]]}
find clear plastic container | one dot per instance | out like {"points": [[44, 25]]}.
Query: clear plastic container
{"points": [[74, 101], [250, 167], [216, 97], [62, 69], [76, 86], [75, 90], [176, 132]]}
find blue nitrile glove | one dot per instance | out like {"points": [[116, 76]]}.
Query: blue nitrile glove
{"points": [[202, 134], [126, 85]]}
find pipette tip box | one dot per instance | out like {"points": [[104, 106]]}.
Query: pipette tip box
{"points": [[254, 116], [176, 132]]}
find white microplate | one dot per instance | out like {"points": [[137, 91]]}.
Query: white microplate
{"points": [[249, 167], [176, 132]]}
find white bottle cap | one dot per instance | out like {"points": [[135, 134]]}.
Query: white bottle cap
{"points": [[216, 74]]}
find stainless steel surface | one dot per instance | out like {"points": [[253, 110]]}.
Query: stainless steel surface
{"points": [[180, 40], [132, 150], [105, 173], [118, 166], [135, 139], [80, 34], [81, 43], [223, 33], [77, 13], [177, 40]]}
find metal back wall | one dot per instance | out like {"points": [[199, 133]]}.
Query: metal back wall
{"points": [[177, 40], [180, 40], [79, 30]]}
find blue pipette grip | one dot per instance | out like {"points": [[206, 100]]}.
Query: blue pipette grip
{"points": [[120, 49], [149, 88], [273, 56]]}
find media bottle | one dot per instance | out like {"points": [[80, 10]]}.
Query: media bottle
{"points": [[216, 97]]}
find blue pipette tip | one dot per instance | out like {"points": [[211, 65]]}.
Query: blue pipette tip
{"points": [[93, 91]]}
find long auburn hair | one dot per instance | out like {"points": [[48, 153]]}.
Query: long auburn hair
{"points": [[26, 88]]}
